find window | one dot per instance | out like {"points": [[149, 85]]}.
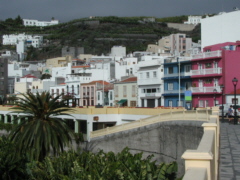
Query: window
{"points": [[116, 91], [154, 74], [187, 68], [62, 91], [110, 95], [208, 81], [201, 103], [170, 86], [98, 97], [133, 103], [208, 65], [57, 92], [188, 85], [170, 70], [141, 75], [233, 100], [147, 75], [124, 91], [133, 90], [170, 103]]}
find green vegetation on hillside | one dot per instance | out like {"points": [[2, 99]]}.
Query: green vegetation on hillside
{"points": [[96, 35]]}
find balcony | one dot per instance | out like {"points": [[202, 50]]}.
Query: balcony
{"points": [[146, 95], [149, 81], [206, 71], [205, 89], [205, 55], [174, 91], [177, 74]]}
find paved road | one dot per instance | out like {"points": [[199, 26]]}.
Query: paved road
{"points": [[229, 166]]}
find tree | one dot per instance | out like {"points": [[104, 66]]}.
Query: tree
{"points": [[41, 131], [46, 76]]}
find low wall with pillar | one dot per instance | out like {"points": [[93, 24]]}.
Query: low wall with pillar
{"points": [[202, 162]]}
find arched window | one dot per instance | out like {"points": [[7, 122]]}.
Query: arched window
{"points": [[57, 92], [62, 91], [52, 92], [78, 90], [36, 87], [33, 87]]}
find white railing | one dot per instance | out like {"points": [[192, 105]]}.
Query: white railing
{"points": [[207, 55], [206, 71], [177, 74], [149, 81], [205, 89], [174, 91]]}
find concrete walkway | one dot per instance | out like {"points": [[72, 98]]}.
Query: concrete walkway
{"points": [[229, 166]]}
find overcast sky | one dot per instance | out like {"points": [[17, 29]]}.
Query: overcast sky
{"points": [[66, 10]]}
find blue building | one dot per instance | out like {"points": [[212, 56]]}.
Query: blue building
{"points": [[175, 82]]}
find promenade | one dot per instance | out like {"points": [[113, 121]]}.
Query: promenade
{"points": [[229, 166]]}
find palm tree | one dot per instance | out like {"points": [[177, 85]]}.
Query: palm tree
{"points": [[41, 131]]}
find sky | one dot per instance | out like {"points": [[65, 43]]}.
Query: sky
{"points": [[67, 10]]}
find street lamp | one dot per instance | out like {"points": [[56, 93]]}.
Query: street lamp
{"points": [[214, 91], [222, 88], [235, 81]]}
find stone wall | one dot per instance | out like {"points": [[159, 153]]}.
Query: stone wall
{"points": [[181, 27], [167, 141]]}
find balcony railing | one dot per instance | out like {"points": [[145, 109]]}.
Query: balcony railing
{"points": [[207, 55], [149, 81], [177, 74], [205, 89], [174, 91], [206, 71]]}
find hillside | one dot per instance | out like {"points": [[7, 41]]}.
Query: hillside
{"points": [[96, 35]]}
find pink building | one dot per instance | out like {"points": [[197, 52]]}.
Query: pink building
{"points": [[216, 66], [88, 92]]}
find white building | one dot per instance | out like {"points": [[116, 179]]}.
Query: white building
{"points": [[31, 40], [220, 28], [126, 67], [118, 51], [32, 22], [174, 44], [150, 83], [193, 20]]}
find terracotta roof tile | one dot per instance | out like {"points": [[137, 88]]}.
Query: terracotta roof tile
{"points": [[29, 76]]}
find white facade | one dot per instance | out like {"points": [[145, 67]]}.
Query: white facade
{"points": [[150, 83], [118, 51], [221, 28], [14, 39], [193, 20], [32, 22], [126, 67]]}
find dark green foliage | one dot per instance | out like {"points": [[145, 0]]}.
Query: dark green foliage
{"points": [[40, 130], [103, 166], [8, 127], [12, 164], [46, 76]]}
